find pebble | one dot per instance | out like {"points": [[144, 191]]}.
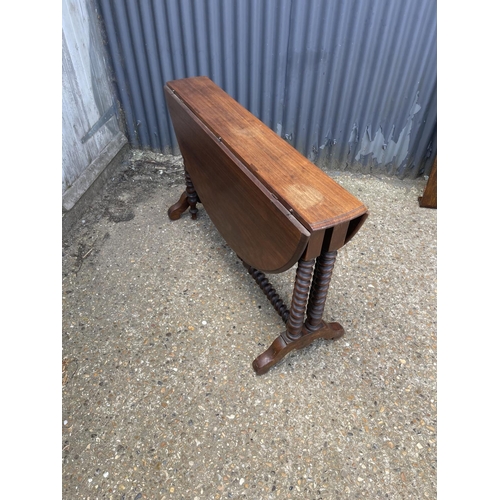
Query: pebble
{"points": [[371, 397]]}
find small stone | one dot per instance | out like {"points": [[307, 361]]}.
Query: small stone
{"points": [[106, 474], [242, 480]]}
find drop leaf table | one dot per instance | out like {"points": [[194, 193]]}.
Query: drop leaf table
{"points": [[272, 206]]}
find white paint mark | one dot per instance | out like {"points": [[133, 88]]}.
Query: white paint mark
{"points": [[385, 151]]}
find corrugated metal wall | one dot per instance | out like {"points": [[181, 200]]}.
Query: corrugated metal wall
{"points": [[350, 83]]}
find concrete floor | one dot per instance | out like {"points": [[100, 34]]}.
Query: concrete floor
{"points": [[161, 324]]}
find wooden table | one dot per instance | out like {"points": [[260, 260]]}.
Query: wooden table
{"points": [[429, 198], [273, 207]]}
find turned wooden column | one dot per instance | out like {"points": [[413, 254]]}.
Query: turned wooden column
{"points": [[319, 289], [269, 291], [299, 299], [192, 196], [189, 198]]}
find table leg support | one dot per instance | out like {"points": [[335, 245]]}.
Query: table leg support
{"points": [[192, 197], [299, 334], [269, 291], [319, 290], [299, 299], [177, 209], [282, 345], [189, 198]]}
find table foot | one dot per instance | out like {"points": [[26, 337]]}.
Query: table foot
{"points": [[176, 210], [189, 198], [282, 345]]}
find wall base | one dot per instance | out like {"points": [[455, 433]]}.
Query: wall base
{"points": [[78, 197]]}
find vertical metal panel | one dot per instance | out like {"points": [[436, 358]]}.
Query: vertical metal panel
{"points": [[369, 68], [351, 84], [90, 123]]}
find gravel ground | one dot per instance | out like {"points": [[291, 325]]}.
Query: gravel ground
{"points": [[160, 326]]}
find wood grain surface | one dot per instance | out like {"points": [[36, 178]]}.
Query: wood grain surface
{"points": [[251, 220], [315, 199]]}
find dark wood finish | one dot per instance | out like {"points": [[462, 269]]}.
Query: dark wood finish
{"points": [[249, 217], [269, 292], [300, 334], [315, 244], [429, 198], [282, 345], [272, 206], [176, 210], [339, 236], [188, 199], [313, 197], [192, 196], [299, 299], [319, 289]]}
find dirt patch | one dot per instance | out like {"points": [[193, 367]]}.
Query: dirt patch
{"points": [[140, 174]]}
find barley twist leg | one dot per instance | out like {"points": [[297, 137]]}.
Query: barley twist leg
{"points": [[299, 299], [319, 290], [192, 196], [269, 291]]}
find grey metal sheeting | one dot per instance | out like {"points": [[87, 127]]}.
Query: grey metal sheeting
{"points": [[351, 84]]}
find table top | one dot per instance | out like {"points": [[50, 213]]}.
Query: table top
{"points": [[307, 192]]}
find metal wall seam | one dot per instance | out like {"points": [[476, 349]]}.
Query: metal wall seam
{"points": [[350, 84]]}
